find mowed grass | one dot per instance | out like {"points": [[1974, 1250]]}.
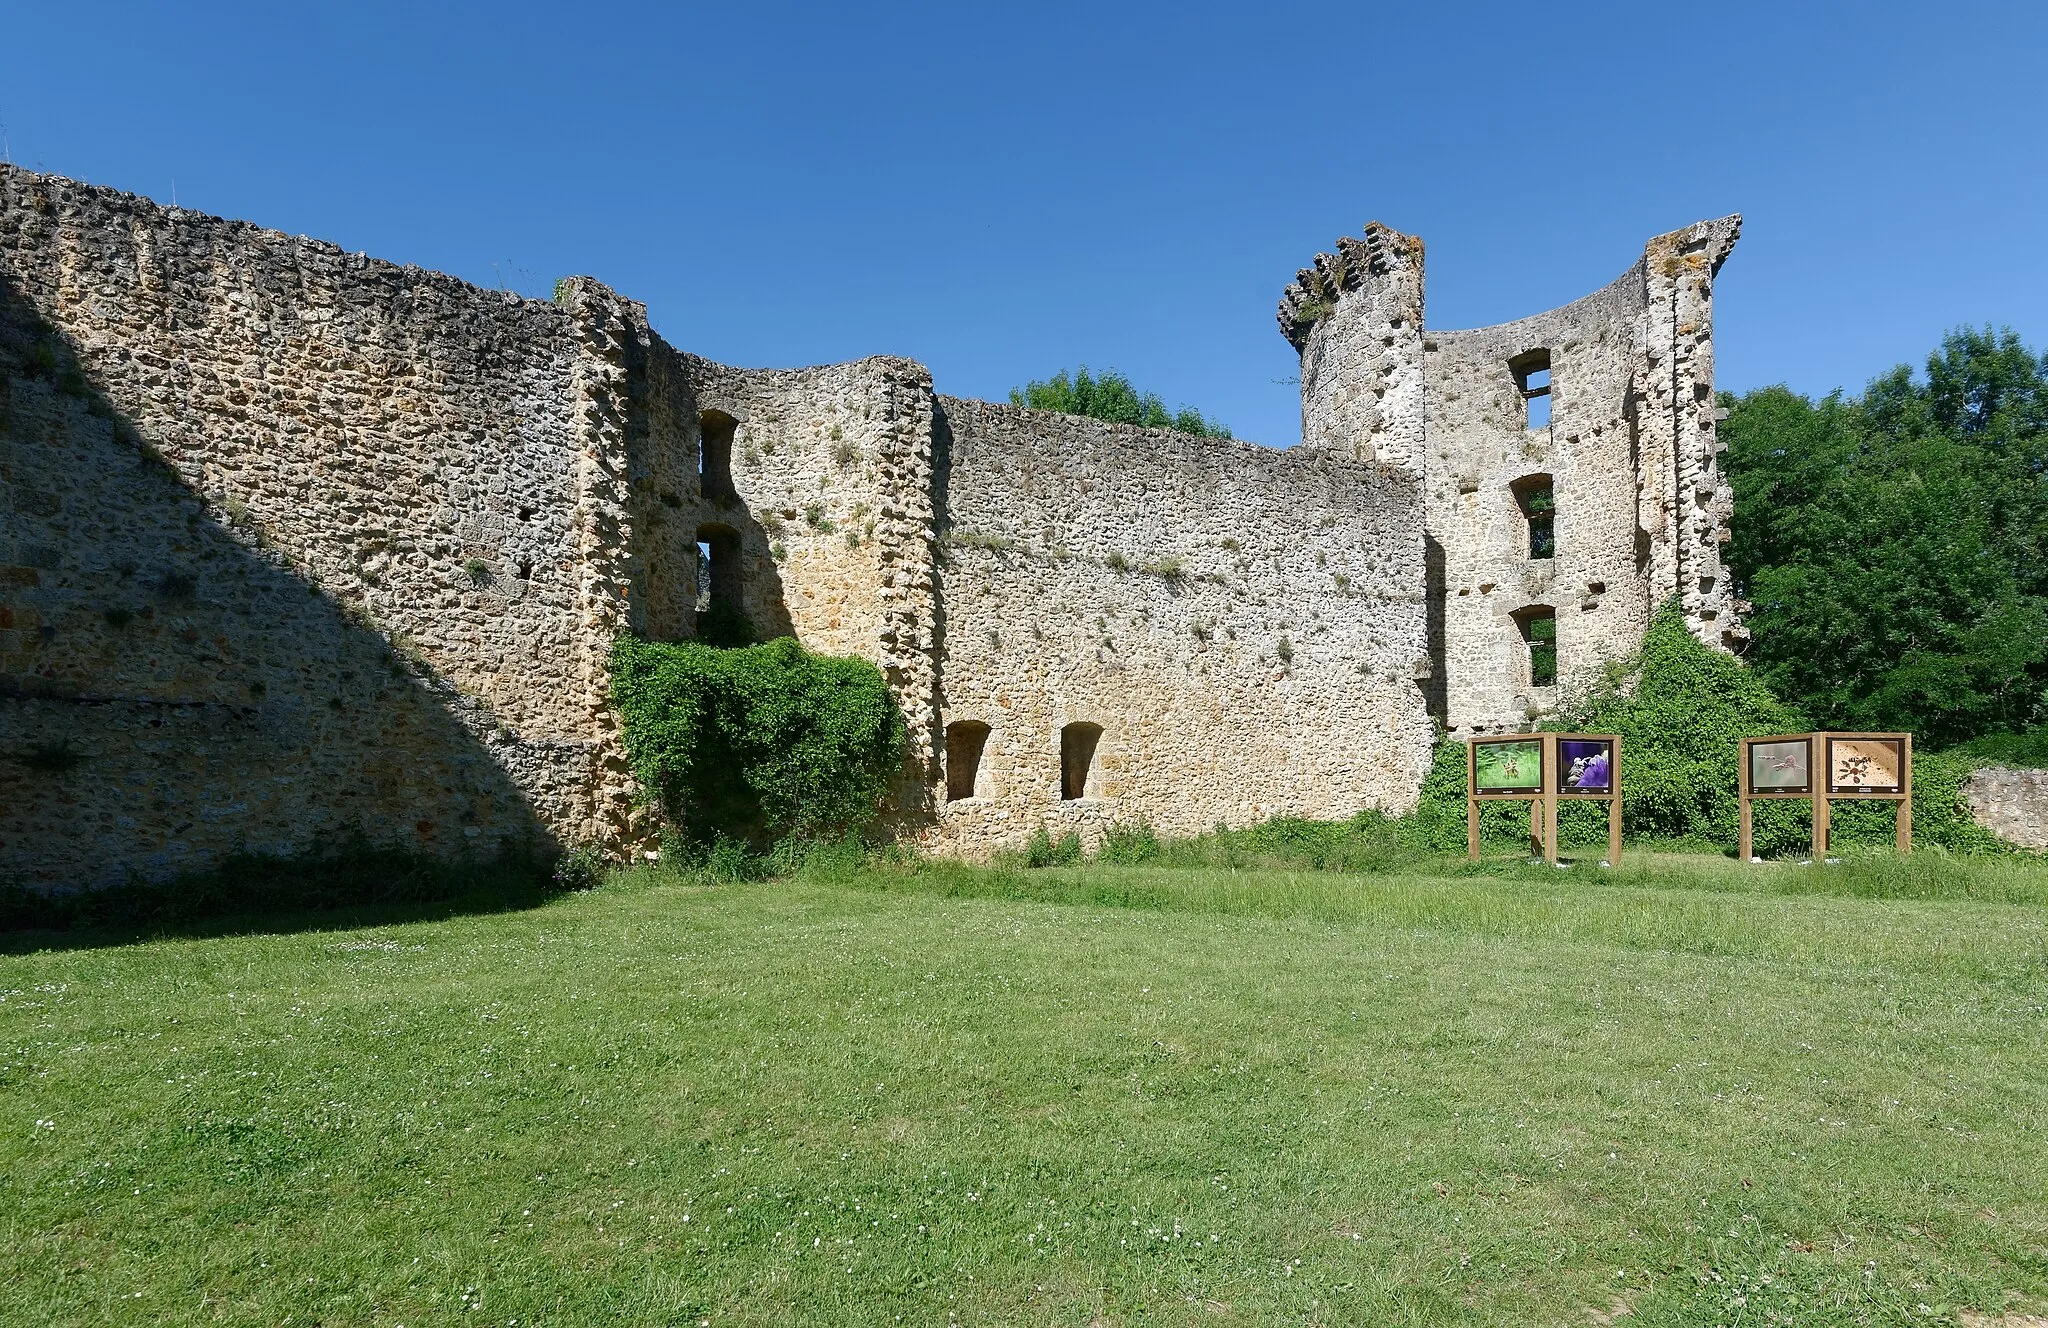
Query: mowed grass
{"points": [[1698, 1092]]}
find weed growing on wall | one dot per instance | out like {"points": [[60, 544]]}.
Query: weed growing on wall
{"points": [[758, 743], [1679, 708], [1045, 851]]}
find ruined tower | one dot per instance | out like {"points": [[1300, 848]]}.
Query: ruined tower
{"points": [[1567, 460]]}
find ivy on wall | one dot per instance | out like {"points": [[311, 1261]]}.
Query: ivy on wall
{"points": [[759, 743]]}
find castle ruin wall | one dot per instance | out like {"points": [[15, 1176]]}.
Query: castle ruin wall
{"points": [[1243, 625], [1616, 465], [294, 541], [298, 543]]}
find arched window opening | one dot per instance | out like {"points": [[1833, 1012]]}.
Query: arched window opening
{"points": [[714, 454], [1538, 501], [1538, 625], [1532, 380], [965, 740], [1077, 759]]}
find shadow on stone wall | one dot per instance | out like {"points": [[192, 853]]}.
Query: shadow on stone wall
{"points": [[174, 693]]}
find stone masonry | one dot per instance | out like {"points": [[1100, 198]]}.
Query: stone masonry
{"points": [[296, 544], [1626, 455]]}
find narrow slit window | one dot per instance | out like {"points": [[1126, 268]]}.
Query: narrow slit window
{"points": [[1538, 626], [1077, 759], [1532, 380], [1537, 499], [966, 739], [719, 610], [714, 454]]}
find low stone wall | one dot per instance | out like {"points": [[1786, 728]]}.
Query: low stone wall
{"points": [[2012, 804]]}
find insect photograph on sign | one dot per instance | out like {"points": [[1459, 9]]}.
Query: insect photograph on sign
{"points": [[1508, 767], [1587, 765], [1865, 765], [1780, 767]]}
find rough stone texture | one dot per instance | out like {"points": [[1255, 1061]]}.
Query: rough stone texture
{"points": [[1243, 624], [293, 540], [2012, 804], [1629, 450], [832, 503], [296, 541]]}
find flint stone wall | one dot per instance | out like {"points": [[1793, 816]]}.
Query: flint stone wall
{"points": [[1629, 453], [297, 542], [294, 540], [1243, 624]]}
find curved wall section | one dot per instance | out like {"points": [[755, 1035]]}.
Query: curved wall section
{"points": [[1610, 397]]}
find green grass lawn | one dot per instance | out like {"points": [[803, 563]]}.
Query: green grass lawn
{"points": [[1702, 1093]]}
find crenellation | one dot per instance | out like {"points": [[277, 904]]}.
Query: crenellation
{"points": [[1624, 452]]}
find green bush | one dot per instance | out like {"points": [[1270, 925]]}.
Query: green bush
{"points": [[1110, 396], [2027, 750], [756, 744], [1680, 707]]}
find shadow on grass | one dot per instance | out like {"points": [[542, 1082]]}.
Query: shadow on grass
{"points": [[353, 884]]}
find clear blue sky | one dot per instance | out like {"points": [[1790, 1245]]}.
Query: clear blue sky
{"points": [[1001, 192]]}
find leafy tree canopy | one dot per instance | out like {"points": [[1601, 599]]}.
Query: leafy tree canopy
{"points": [[1892, 544], [1110, 396]]}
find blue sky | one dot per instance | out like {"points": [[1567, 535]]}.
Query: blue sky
{"points": [[1000, 192]]}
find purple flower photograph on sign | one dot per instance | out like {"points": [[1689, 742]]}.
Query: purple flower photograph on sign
{"points": [[1587, 765]]}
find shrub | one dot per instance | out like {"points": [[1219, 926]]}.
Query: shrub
{"points": [[756, 743], [1045, 851], [1679, 708], [580, 868], [1128, 844], [1111, 396]]}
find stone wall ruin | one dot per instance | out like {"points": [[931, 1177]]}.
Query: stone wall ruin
{"points": [[1603, 409], [296, 543]]}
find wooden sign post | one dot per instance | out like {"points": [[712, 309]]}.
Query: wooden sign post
{"points": [[1827, 768], [1543, 769]]}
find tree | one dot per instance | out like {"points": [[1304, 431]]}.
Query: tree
{"points": [[1892, 544], [1110, 396]]}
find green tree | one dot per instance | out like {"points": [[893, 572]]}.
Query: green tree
{"points": [[1110, 396], [1892, 544]]}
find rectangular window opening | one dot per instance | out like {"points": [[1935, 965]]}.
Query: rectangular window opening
{"points": [[966, 739], [1539, 634], [1077, 759], [1532, 379], [1538, 503]]}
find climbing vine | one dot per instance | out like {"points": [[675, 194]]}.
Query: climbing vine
{"points": [[758, 743]]}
